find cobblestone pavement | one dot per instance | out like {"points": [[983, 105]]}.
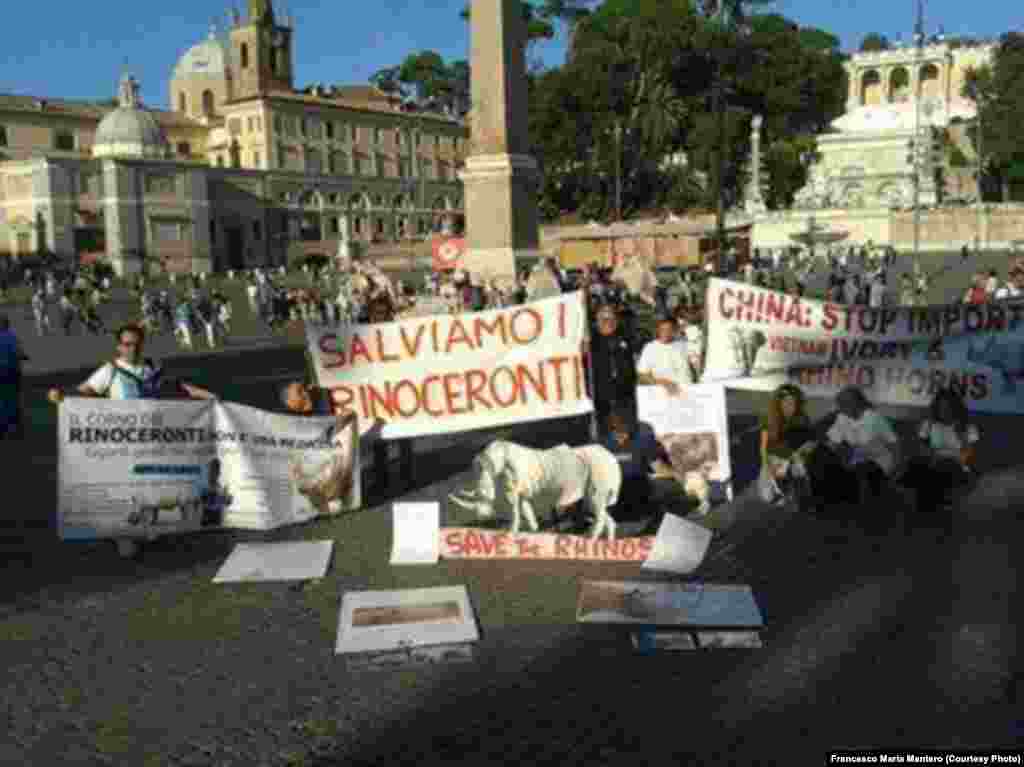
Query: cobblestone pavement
{"points": [[873, 638]]}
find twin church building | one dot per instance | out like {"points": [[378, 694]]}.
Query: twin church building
{"points": [[243, 169]]}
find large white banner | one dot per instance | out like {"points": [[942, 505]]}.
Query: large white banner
{"points": [[899, 355], [451, 373], [142, 468], [693, 428]]}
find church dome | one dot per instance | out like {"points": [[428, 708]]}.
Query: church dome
{"points": [[208, 58], [130, 130]]}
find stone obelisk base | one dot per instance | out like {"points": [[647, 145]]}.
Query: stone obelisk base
{"points": [[501, 215]]}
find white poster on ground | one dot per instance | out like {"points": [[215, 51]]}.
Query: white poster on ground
{"points": [[453, 373], [693, 429], [373, 621], [898, 355], [679, 547], [284, 561], [143, 468]]}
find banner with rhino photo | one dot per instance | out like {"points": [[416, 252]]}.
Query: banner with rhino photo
{"points": [[899, 355], [144, 468], [693, 429], [452, 373]]}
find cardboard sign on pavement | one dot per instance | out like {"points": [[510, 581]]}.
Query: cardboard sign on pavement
{"points": [[288, 561]]}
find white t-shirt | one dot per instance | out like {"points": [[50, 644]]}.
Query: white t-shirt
{"points": [[873, 432], [663, 360], [944, 439], [116, 385]]}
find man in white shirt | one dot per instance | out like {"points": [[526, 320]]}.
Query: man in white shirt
{"points": [[665, 360], [865, 443], [129, 375]]}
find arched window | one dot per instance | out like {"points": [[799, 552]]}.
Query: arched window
{"points": [[184, 149], [871, 88], [929, 81], [3, 135], [182, 103], [244, 55], [209, 103], [899, 85]]}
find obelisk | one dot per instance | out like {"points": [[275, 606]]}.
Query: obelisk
{"points": [[500, 180], [754, 203]]}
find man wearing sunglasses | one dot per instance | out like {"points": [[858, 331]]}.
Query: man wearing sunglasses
{"points": [[131, 376]]}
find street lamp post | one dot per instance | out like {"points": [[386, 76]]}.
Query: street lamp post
{"points": [[916, 141], [981, 165]]}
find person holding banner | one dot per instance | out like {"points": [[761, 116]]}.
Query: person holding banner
{"points": [[301, 399], [948, 442], [130, 375]]}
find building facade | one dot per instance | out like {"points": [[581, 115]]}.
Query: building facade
{"points": [[242, 170], [864, 161]]}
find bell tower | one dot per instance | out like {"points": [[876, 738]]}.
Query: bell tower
{"points": [[261, 52]]}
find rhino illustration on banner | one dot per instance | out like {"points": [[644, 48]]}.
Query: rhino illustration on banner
{"points": [[1007, 357], [745, 346]]}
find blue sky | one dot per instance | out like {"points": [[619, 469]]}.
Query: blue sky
{"points": [[77, 50]]}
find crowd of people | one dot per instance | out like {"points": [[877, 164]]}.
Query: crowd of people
{"points": [[851, 458]]}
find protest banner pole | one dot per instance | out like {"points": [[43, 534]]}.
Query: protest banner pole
{"points": [[588, 341]]}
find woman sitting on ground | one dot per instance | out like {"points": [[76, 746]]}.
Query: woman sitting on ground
{"points": [[948, 441], [787, 440], [863, 451]]}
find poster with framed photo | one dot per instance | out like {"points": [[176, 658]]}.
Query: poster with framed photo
{"points": [[377, 621]]}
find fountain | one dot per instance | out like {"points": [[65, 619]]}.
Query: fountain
{"points": [[818, 234]]}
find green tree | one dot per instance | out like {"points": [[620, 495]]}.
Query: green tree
{"points": [[623, 60], [874, 42], [427, 81], [998, 92]]}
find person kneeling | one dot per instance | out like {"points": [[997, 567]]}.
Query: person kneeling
{"points": [[948, 452]]}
